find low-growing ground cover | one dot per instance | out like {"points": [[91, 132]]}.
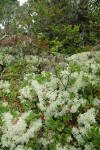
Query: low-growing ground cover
{"points": [[50, 102]]}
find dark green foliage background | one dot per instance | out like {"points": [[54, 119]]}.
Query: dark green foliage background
{"points": [[70, 26]]}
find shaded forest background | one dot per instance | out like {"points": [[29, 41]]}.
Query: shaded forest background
{"points": [[65, 26]]}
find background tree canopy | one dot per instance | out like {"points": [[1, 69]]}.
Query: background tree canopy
{"points": [[66, 24]]}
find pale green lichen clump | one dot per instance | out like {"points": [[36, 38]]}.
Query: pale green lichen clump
{"points": [[59, 110]]}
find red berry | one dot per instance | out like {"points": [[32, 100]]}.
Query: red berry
{"points": [[15, 121], [68, 122], [42, 116]]}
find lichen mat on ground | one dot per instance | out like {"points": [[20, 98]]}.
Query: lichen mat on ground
{"points": [[55, 109]]}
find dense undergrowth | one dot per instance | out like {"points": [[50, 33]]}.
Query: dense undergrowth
{"points": [[50, 102]]}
